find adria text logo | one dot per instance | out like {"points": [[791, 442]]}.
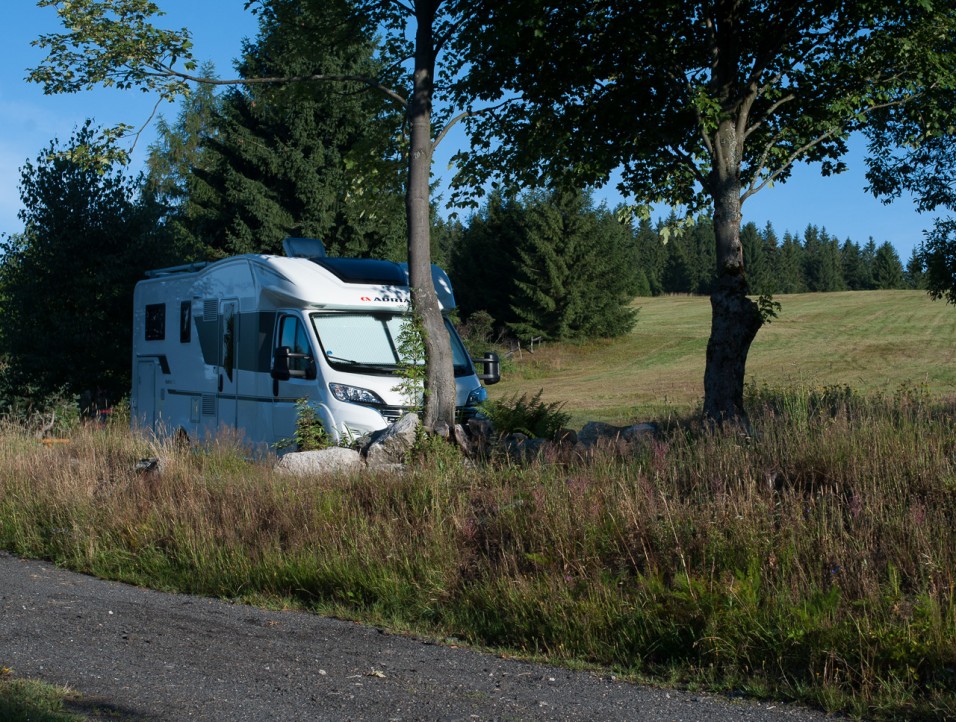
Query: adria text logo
{"points": [[384, 299]]}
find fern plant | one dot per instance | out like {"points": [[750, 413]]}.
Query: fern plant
{"points": [[529, 416]]}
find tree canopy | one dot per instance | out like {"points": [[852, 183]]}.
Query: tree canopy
{"points": [[68, 279]]}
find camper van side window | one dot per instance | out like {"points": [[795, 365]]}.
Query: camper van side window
{"points": [[185, 321], [155, 321], [292, 334]]}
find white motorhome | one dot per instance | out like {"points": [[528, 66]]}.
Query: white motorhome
{"points": [[234, 344]]}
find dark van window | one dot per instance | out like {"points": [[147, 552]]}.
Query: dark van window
{"points": [[292, 334], [185, 321], [155, 321]]}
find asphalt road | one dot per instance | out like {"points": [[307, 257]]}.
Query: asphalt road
{"points": [[139, 654]]}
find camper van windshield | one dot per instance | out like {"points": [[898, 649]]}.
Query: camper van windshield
{"points": [[370, 342]]}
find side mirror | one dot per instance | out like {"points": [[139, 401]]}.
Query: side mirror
{"points": [[491, 368], [281, 370], [280, 364]]}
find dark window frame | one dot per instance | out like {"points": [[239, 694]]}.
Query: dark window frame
{"points": [[155, 322]]}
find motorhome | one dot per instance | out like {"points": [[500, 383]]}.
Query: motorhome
{"points": [[235, 343]]}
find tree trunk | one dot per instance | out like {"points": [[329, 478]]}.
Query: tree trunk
{"points": [[440, 375], [735, 318]]}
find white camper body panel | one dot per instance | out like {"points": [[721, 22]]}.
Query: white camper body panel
{"points": [[204, 346]]}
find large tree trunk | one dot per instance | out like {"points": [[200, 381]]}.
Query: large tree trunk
{"points": [[735, 318], [440, 374]]}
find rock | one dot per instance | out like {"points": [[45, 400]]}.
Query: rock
{"points": [[524, 448], [595, 431], [390, 446], [568, 437], [598, 431], [152, 465], [461, 439], [641, 432], [324, 461]]}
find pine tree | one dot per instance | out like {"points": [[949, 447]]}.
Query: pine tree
{"points": [[915, 275], [316, 160], [887, 268], [67, 281], [179, 151], [790, 267], [651, 255]]}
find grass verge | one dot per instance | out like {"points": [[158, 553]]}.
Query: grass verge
{"points": [[816, 562], [26, 700]]}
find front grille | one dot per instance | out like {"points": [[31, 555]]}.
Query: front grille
{"points": [[393, 413]]}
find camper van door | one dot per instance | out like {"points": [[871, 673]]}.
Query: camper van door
{"points": [[228, 366], [300, 383]]}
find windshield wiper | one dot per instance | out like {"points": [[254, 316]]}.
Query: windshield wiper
{"points": [[361, 364]]}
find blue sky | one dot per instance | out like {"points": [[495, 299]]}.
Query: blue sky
{"points": [[29, 120]]}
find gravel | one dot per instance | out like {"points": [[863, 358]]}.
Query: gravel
{"points": [[138, 654]]}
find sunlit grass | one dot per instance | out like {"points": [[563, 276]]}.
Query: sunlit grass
{"points": [[25, 700], [870, 340]]}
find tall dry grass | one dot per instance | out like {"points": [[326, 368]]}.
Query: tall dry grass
{"points": [[814, 562]]}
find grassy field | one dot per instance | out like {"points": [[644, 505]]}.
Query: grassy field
{"points": [[873, 341]]}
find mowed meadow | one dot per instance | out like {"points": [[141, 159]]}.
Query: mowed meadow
{"points": [[814, 561], [870, 341]]}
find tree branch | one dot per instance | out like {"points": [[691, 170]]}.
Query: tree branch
{"points": [[449, 33], [467, 114], [145, 125], [795, 155], [167, 72], [767, 113]]}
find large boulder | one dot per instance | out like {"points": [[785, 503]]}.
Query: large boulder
{"points": [[391, 445], [324, 461]]}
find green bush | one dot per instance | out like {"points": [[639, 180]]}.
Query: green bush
{"points": [[309, 433], [529, 416]]}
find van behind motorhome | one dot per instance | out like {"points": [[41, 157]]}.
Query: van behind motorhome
{"points": [[235, 343]]}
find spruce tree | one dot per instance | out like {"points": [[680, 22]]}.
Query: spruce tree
{"points": [[771, 254], [548, 265], [790, 268], [852, 262], [483, 266], [759, 272], [67, 281], [868, 259], [679, 274], [651, 256], [887, 267], [316, 160], [915, 274]]}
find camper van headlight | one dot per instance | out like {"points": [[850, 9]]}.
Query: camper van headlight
{"points": [[354, 394], [477, 396]]}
